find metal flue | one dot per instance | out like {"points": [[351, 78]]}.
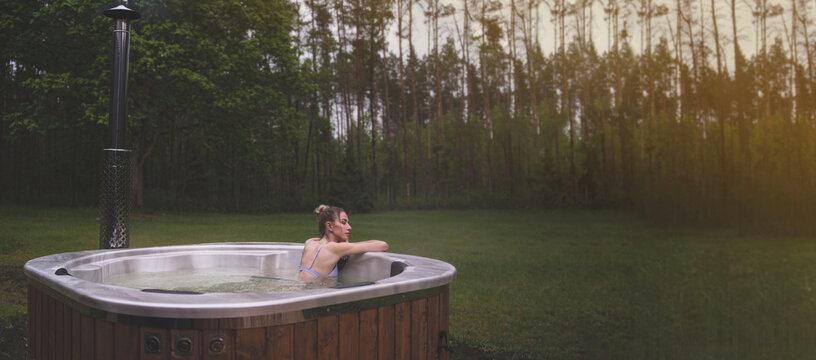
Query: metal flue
{"points": [[114, 204]]}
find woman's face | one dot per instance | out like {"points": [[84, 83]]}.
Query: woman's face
{"points": [[340, 228]]}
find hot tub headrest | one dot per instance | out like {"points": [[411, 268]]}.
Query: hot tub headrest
{"points": [[397, 267]]}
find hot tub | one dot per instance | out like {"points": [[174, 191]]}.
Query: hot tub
{"points": [[400, 310]]}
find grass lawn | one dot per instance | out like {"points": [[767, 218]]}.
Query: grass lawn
{"points": [[561, 284]]}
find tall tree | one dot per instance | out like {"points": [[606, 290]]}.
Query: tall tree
{"points": [[467, 107], [531, 47], [391, 164], [419, 176], [403, 102], [719, 106], [764, 11]]}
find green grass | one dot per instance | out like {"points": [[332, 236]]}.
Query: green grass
{"points": [[562, 284]]}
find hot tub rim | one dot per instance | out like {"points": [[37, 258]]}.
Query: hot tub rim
{"points": [[422, 273]]}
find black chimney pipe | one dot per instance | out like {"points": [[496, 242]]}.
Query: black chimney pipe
{"points": [[114, 204]]}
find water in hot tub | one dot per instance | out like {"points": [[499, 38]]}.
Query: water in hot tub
{"points": [[224, 280]]}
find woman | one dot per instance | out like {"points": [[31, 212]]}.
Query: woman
{"points": [[320, 255]]}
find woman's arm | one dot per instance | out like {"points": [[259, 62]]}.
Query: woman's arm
{"points": [[344, 249]]}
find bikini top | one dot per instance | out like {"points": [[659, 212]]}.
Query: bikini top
{"points": [[332, 274]]}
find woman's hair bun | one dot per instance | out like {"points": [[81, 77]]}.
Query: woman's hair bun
{"points": [[326, 213]]}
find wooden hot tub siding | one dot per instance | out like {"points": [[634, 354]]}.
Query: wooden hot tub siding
{"points": [[403, 326]]}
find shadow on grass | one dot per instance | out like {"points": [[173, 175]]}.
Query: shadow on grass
{"points": [[13, 327], [13, 338], [464, 351]]}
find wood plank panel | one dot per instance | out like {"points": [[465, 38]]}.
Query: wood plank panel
{"points": [[228, 351], [48, 323], [126, 342], [103, 339], [203, 324], [59, 337], [86, 345], [76, 335], [327, 338], [281, 342], [444, 321], [385, 328], [402, 331], [164, 343], [306, 340], [67, 338], [368, 334], [250, 344], [52, 328], [419, 329], [433, 327], [33, 323], [41, 324], [349, 336]]}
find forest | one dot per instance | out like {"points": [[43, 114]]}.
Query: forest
{"points": [[698, 111]]}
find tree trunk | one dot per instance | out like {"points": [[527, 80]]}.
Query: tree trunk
{"points": [[809, 53], [467, 103], [794, 59], [531, 74], [742, 125], [358, 72], [372, 103], [139, 158], [485, 93], [419, 165], [511, 38], [719, 107], [387, 114], [440, 127], [766, 86], [653, 128], [404, 107], [566, 104]]}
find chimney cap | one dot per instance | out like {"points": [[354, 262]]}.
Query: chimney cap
{"points": [[121, 12]]}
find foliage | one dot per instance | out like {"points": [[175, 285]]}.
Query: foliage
{"points": [[258, 106]]}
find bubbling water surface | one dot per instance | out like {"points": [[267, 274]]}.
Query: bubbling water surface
{"points": [[222, 280]]}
